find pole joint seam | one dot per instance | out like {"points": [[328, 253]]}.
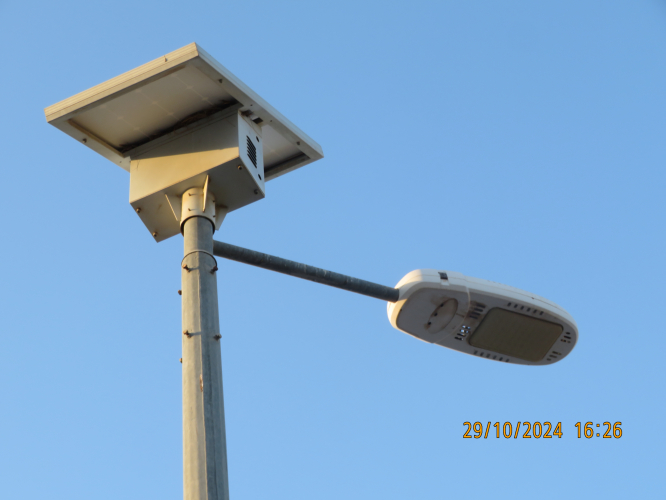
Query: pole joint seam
{"points": [[195, 251]]}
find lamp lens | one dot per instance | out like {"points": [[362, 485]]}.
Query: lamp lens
{"points": [[515, 335]]}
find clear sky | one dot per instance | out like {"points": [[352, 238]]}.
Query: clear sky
{"points": [[518, 141]]}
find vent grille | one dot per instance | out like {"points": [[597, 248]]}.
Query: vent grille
{"points": [[532, 310], [566, 338], [488, 355], [476, 311], [252, 151], [554, 356], [462, 333]]}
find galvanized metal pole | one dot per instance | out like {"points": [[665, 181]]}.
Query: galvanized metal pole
{"points": [[204, 440]]}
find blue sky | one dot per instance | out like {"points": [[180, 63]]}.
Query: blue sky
{"points": [[516, 141]]}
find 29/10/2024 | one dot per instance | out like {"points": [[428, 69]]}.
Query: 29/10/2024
{"points": [[537, 430]]}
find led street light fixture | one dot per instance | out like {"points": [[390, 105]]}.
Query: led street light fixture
{"points": [[482, 318], [470, 315], [180, 122]]}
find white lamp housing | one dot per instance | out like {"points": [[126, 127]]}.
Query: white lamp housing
{"points": [[482, 318]]}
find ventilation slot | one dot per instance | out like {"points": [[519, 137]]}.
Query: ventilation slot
{"points": [[462, 333], [536, 312], [487, 356], [476, 311], [252, 151], [554, 356], [567, 338]]}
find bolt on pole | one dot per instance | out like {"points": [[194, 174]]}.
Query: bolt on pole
{"points": [[204, 439]]}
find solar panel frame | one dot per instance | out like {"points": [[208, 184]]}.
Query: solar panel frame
{"points": [[286, 147]]}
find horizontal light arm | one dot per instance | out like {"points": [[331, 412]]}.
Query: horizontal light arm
{"points": [[304, 271]]}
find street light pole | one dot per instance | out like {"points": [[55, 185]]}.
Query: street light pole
{"points": [[187, 121], [204, 439], [197, 143]]}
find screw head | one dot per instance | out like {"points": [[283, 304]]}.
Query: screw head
{"points": [[138, 210], [154, 234]]}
